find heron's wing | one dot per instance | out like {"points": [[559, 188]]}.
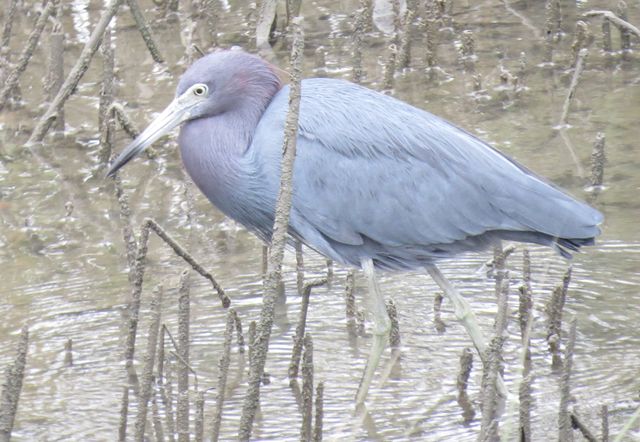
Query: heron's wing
{"points": [[370, 167]]}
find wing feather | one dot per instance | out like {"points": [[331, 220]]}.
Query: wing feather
{"points": [[372, 168]]}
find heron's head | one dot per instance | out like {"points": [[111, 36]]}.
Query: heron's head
{"points": [[221, 82]]}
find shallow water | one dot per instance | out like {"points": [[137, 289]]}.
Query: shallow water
{"points": [[64, 271]]}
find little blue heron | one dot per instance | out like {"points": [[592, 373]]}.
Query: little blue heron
{"points": [[378, 183]]}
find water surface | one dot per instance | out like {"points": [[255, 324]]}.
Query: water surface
{"points": [[65, 276]]}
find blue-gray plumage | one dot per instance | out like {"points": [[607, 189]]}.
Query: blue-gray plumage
{"points": [[375, 180], [373, 176]]}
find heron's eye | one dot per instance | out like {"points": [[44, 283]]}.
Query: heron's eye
{"points": [[200, 90]]}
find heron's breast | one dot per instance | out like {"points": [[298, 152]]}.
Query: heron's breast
{"points": [[232, 184]]}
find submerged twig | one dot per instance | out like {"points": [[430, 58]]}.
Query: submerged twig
{"points": [[625, 35], [184, 312], [604, 415], [553, 22], [55, 69], [125, 122], [466, 364], [68, 353], [329, 272], [106, 123], [582, 38], [431, 36], [300, 327], [307, 389], [165, 383], [155, 417], [579, 425], [266, 17], [252, 339], [10, 396], [565, 431], [606, 36], [350, 302], [317, 426], [239, 335], [149, 360], [598, 159], [498, 265], [493, 364], [8, 24], [404, 52], [468, 50], [564, 118], [394, 333], [526, 304], [182, 253], [390, 68], [299, 267], [77, 72], [613, 18], [199, 421], [144, 29], [223, 364], [526, 323], [124, 413], [358, 35], [12, 79], [437, 313], [127, 228], [554, 314], [283, 206]]}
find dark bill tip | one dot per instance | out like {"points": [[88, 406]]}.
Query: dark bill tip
{"points": [[127, 155]]}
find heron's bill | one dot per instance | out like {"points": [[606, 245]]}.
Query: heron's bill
{"points": [[177, 112]]}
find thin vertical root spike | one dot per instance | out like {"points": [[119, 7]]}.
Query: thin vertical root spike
{"points": [[199, 421], [77, 72], [350, 302], [184, 314], [12, 387], [580, 60], [300, 327], [565, 428], [299, 267], [146, 382], [8, 24], [604, 414], [274, 265], [224, 362], [55, 69], [394, 334], [319, 414], [598, 160], [307, 389], [145, 31], [106, 122], [12, 79]]}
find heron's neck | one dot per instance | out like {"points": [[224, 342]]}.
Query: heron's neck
{"points": [[212, 152]]}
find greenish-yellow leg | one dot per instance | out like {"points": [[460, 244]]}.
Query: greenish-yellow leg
{"points": [[465, 315], [381, 328]]}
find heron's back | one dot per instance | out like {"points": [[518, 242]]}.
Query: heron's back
{"points": [[376, 177]]}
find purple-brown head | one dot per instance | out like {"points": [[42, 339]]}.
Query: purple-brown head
{"points": [[217, 83]]}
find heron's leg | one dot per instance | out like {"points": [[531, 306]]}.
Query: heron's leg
{"points": [[463, 312], [461, 308], [381, 328]]}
